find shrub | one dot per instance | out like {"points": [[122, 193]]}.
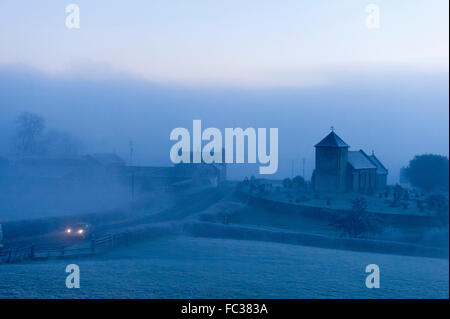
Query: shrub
{"points": [[358, 221], [298, 182], [287, 183]]}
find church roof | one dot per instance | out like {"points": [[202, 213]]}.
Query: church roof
{"points": [[331, 140], [360, 160], [380, 167]]}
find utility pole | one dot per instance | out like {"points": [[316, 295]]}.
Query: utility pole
{"points": [[132, 170], [131, 152], [292, 169], [304, 161]]}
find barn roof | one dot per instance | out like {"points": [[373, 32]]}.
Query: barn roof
{"points": [[150, 171], [360, 160], [107, 159], [52, 167], [331, 140]]}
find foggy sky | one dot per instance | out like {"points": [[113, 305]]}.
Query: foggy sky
{"points": [[395, 112], [136, 71]]}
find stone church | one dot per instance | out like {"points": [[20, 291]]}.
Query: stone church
{"points": [[340, 170]]}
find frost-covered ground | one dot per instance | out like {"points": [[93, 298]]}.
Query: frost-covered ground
{"points": [[185, 267]]}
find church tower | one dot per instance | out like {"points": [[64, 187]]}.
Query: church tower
{"points": [[331, 164]]}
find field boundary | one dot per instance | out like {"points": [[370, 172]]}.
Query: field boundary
{"points": [[322, 212], [214, 230]]}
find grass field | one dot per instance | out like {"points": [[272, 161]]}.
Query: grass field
{"points": [[185, 267]]}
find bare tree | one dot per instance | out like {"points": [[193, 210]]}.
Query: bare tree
{"points": [[29, 129]]}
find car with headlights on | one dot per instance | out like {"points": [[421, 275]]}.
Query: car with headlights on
{"points": [[78, 230]]}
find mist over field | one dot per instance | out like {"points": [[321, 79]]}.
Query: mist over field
{"points": [[398, 113]]}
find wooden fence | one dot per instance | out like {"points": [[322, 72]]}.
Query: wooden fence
{"points": [[33, 252], [95, 246]]}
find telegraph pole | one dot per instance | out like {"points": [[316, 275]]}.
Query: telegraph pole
{"points": [[132, 170], [304, 161], [292, 169], [131, 152]]}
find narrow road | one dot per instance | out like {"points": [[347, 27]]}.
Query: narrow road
{"points": [[186, 205]]}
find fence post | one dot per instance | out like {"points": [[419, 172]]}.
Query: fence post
{"points": [[9, 256], [32, 251], [93, 246]]}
